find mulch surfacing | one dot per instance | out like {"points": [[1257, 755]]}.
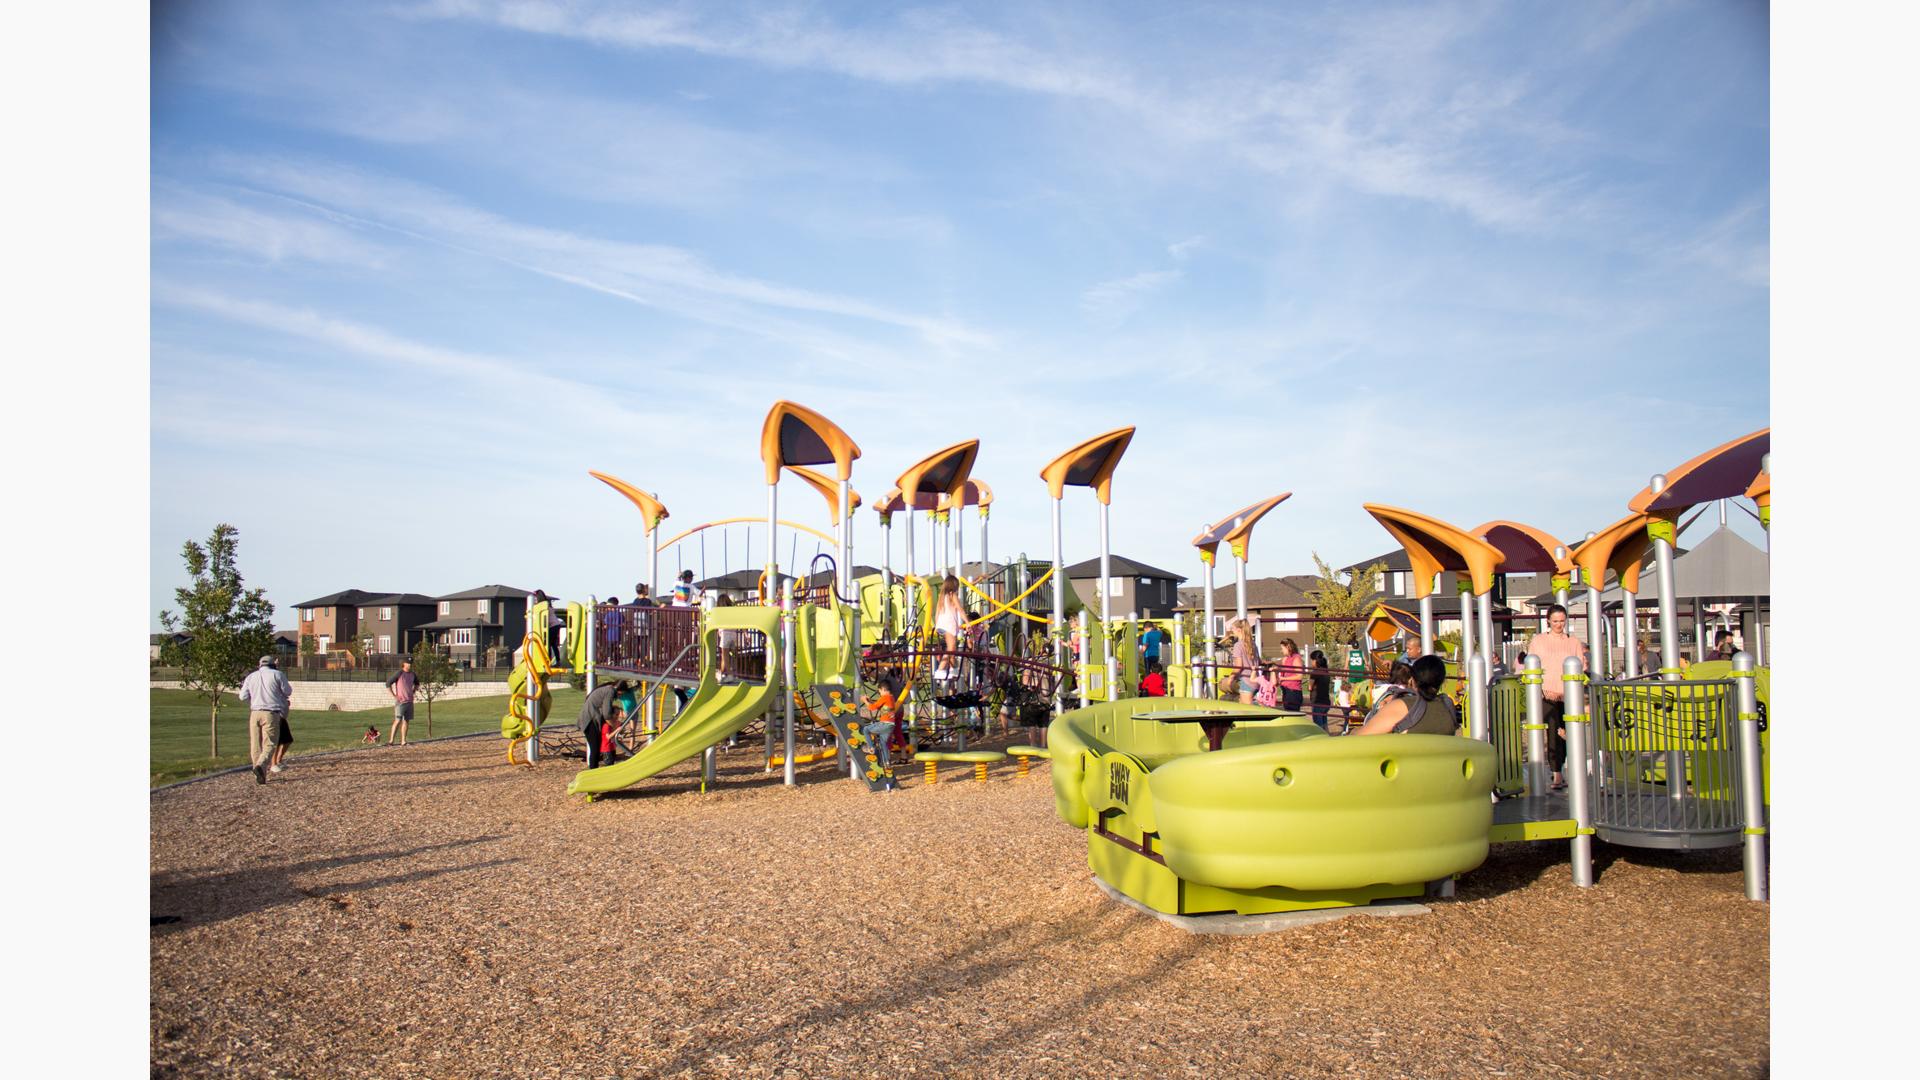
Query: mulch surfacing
{"points": [[432, 911]]}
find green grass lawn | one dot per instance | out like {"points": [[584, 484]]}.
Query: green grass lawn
{"points": [[178, 720]]}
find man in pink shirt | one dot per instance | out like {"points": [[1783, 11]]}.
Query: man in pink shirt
{"points": [[1553, 647]]}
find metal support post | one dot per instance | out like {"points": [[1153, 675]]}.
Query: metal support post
{"points": [[1106, 606], [1537, 771], [1596, 635], [1467, 649], [1080, 664], [1479, 723], [1057, 624], [1484, 605], [786, 670], [1579, 733], [1630, 637], [1669, 616], [846, 547], [593, 638], [1426, 624], [1206, 636], [1753, 791]]}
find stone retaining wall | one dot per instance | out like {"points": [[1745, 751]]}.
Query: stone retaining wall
{"points": [[354, 696]]}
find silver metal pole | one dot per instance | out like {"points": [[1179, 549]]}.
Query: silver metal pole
{"points": [[1630, 635], [1596, 642], [533, 700], [1484, 604], [1480, 725], [709, 766], [846, 547], [1466, 630], [787, 615], [982, 513], [1699, 631], [1206, 635], [1081, 665], [593, 635], [1669, 618], [886, 578], [653, 568], [1106, 607], [1758, 646], [959, 540], [1560, 591], [1240, 588], [1537, 771], [1057, 625], [773, 527], [1426, 624], [1753, 792], [1578, 732]]}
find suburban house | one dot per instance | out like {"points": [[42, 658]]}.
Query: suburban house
{"points": [[332, 620], [286, 643], [1278, 603], [1137, 589], [393, 621], [467, 624]]}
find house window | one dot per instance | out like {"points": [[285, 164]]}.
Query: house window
{"points": [[446, 607], [1115, 586], [386, 614], [386, 643], [463, 637], [480, 607], [326, 642], [1286, 622]]}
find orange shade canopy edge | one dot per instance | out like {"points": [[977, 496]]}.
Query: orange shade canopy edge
{"points": [[829, 489], [941, 472], [1619, 547], [1236, 528], [1387, 621], [652, 511], [894, 502], [1720, 473], [971, 493], [796, 435], [1525, 549], [1089, 464], [1433, 546]]}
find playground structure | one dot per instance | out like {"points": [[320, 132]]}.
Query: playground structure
{"points": [[1193, 804]]}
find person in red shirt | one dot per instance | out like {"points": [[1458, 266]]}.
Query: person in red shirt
{"points": [[1155, 684]]}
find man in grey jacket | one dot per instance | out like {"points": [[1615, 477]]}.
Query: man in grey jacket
{"points": [[267, 694]]}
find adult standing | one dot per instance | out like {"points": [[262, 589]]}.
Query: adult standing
{"points": [[402, 684], [1242, 660], [1322, 680], [1553, 646], [603, 706], [1293, 672], [267, 693]]}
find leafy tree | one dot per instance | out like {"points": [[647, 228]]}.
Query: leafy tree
{"points": [[1336, 599], [434, 675], [232, 627], [309, 648]]}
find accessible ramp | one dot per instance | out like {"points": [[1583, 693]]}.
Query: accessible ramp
{"points": [[716, 711]]}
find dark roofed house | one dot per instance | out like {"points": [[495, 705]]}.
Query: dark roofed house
{"points": [[1276, 603], [469, 623], [393, 621], [1138, 589], [332, 620]]}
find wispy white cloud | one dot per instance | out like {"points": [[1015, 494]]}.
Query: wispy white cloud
{"points": [[183, 215], [1117, 298], [659, 276], [1735, 242]]}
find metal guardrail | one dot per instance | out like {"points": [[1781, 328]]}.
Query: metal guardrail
{"points": [[1665, 764]]}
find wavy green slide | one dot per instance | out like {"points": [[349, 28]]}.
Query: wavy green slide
{"points": [[715, 712]]}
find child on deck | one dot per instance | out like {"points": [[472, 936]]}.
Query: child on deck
{"points": [[1155, 684]]}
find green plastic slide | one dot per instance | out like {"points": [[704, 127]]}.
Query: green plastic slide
{"points": [[715, 712]]}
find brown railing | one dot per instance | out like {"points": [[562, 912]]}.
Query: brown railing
{"points": [[662, 642]]}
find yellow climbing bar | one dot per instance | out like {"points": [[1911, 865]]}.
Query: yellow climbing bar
{"points": [[1007, 608]]}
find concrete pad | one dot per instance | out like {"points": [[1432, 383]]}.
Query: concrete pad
{"points": [[1275, 922]]}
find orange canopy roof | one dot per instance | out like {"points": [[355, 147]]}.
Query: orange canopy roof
{"points": [[1720, 473], [1433, 545], [652, 511], [941, 472], [1088, 464], [829, 489], [1236, 528], [796, 435], [1525, 549], [1619, 547], [971, 493], [896, 502]]}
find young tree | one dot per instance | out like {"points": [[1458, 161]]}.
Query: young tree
{"points": [[232, 627], [434, 675], [1336, 599]]}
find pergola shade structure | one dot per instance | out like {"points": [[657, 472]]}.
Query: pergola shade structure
{"points": [[936, 477], [796, 435], [1725, 471], [652, 512], [1432, 546], [1090, 464], [1236, 531]]}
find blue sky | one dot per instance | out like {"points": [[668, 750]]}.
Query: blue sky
{"points": [[416, 268]]}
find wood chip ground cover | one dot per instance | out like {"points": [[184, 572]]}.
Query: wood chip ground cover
{"points": [[430, 911]]}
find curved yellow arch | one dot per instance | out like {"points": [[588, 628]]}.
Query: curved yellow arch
{"points": [[747, 520]]}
